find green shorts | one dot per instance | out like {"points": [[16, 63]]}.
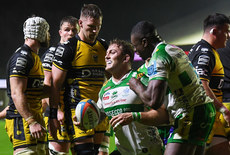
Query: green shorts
{"points": [[195, 126]]}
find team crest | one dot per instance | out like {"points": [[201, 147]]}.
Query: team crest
{"points": [[95, 58]]}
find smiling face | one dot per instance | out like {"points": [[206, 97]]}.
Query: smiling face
{"points": [[89, 28], [114, 59]]}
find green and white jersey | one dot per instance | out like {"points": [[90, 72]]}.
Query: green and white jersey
{"points": [[170, 63], [135, 138]]}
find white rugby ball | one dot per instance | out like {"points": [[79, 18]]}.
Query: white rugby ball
{"points": [[87, 113]]}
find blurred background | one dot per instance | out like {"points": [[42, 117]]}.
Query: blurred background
{"points": [[178, 22]]}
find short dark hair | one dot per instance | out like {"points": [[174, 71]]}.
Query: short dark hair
{"points": [[91, 10], [126, 47], [216, 19], [146, 29], [69, 19]]}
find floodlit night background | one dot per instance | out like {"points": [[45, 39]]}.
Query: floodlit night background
{"points": [[178, 22]]}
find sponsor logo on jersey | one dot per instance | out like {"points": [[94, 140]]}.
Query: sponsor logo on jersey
{"points": [[48, 57], [21, 62], [203, 60], [201, 71], [23, 52], [114, 94], [106, 96], [107, 88], [204, 49], [126, 92], [37, 83], [95, 58], [151, 70], [59, 52]]}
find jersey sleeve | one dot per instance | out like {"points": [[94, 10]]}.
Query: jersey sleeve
{"points": [[203, 62], [159, 65], [47, 59], [21, 64], [104, 43], [63, 56]]}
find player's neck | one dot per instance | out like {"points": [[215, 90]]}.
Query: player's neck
{"points": [[84, 38], [120, 75], [33, 44]]}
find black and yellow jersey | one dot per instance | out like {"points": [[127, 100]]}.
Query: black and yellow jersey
{"points": [[26, 64], [47, 59], [85, 67], [206, 61]]}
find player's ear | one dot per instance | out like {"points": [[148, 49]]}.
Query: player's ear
{"points": [[144, 42], [213, 31], [126, 58], [80, 23]]}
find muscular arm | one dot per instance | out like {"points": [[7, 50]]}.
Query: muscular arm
{"points": [[210, 93], [18, 88], [153, 95], [152, 117], [58, 78]]}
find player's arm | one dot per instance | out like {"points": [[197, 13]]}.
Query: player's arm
{"points": [[152, 117], [58, 78], [218, 105], [47, 89], [153, 95], [18, 87]]}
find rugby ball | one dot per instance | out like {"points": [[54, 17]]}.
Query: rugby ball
{"points": [[87, 113]]}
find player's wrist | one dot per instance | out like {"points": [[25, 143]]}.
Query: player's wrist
{"points": [[136, 116], [53, 113], [104, 147], [30, 120], [223, 110], [32, 123]]}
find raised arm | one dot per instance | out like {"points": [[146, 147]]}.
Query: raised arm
{"points": [[151, 96]]}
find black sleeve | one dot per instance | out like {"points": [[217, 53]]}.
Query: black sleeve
{"points": [[64, 55], [21, 63], [47, 59], [203, 60]]}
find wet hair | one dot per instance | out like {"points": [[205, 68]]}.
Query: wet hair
{"points": [[91, 10], [69, 19], [145, 29], [125, 46], [216, 19]]}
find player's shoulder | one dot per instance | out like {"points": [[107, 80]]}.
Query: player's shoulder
{"points": [[201, 46], [24, 51], [103, 42]]}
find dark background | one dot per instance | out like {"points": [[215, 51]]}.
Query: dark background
{"points": [[174, 20]]}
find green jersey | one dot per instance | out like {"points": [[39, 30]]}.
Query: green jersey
{"points": [[135, 138], [171, 64]]}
